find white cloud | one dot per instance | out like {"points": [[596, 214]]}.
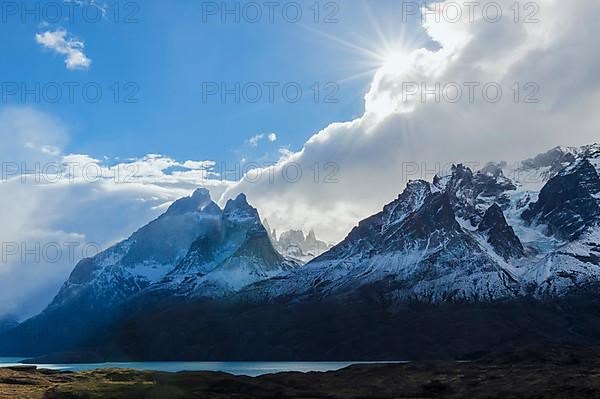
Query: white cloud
{"points": [[254, 140], [369, 156], [62, 43]]}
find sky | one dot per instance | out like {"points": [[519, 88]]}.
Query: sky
{"points": [[170, 52], [161, 128]]}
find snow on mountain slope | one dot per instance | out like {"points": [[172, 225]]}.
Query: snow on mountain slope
{"points": [[566, 216], [532, 174], [471, 236], [567, 203], [415, 249], [236, 253], [194, 249], [148, 255]]}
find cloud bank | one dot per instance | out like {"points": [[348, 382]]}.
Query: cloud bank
{"points": [[552, 61]]}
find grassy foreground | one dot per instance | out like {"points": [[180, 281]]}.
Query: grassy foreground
{"points": [[555, 373]]}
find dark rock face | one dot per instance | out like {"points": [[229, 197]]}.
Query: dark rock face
{"points": [[371, 233], [238, 223], [566, 204], [500, 235], [436, 214], [259, 247], [470, 192]]}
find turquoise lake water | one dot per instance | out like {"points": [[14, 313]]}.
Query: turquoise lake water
{"points": [[251, 369]]}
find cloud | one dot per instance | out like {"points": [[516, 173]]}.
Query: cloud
{"points": [[363, 163], [254, 140], [62, 43]]}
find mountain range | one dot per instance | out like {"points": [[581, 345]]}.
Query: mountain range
{"points": [[473, 261], [295, 245]]}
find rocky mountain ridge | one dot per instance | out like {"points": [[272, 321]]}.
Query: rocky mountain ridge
{"points": [[295, 245], [471, 236]]}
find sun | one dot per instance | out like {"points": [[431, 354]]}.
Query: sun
{"points": [[396, 61]]}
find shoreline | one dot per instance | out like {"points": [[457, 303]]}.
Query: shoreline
{"points": [[547, 373]]}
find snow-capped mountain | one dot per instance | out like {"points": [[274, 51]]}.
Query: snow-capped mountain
{"points": [[417, 248], [234, 253], [194, 249], [131, 266], [293, 244], [472, 236]]}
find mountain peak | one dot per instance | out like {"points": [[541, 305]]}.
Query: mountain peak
{"points": [[417, 186], [461, 170], [567, 204], [241, 201], [555, 159], [493, 214], [199, 200], [201, 192], [239, 209]]}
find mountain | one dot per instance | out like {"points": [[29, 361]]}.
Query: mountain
{"points": [[148, 255], [419, 248], [472, 236], [568, 205], [194, 249], [236, 252], [8, 321], [473, 261], [295, 245]]}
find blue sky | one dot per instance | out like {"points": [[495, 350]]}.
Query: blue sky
{"points": [[170, 52]]}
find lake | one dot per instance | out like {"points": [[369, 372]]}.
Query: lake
{"points": [[251, 369]]}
